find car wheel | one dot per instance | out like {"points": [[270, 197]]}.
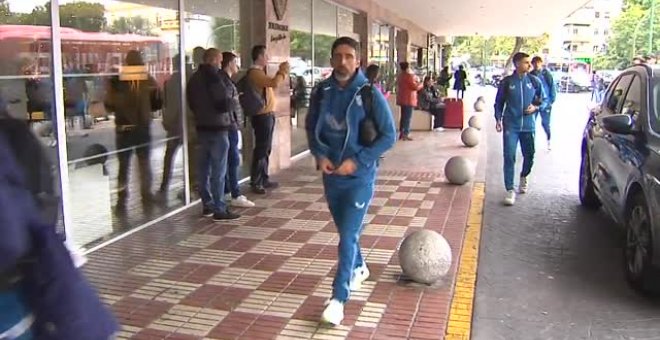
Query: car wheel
{"points": [[588, 197], [638, 250]]}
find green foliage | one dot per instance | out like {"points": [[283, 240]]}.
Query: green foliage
{"points": [[133, 25], [85, 16], [630, 35], [226, 34], [481, 49]]}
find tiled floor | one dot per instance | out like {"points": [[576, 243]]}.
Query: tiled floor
{"points": [[267, 275]]}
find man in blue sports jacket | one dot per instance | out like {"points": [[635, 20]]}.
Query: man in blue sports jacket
{"points": [[550, 89], [520, 97], [338, 105]]}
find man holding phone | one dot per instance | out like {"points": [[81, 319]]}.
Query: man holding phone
{"points": [[519, 97]]}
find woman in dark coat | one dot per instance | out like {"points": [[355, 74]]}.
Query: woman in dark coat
{"points": [[460, 82]]}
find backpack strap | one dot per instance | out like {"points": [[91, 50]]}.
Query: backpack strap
{"points": [[366, 92]]}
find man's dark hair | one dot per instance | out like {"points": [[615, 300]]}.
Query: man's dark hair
{"points": [[210, 54], [258, 51], [372, 71], [404, 65], [348, 41], [519, 56], [537, 59], [227, 57]]}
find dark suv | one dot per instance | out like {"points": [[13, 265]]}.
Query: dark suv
{"points": [[620, 168]]}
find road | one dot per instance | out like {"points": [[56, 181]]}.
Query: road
{"points": [[549, 269]]}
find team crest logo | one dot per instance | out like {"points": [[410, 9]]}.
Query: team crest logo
{"points": [[280, 8]]}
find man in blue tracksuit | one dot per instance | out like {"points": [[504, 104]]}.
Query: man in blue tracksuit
{"points": [[520, 97], [334, 132], [550, 89]]}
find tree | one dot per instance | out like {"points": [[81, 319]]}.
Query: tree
{"points": [[630, 32], [517, 46], [131, 25], [226, 34], [481, 49], [85, 16]]}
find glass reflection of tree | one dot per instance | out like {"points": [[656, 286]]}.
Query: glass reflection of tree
{"points": [[224, 38]]}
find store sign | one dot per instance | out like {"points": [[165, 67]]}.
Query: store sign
{"points": [[280, 8], [280, 31]]}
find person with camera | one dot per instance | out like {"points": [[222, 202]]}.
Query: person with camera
{"points": [[349, 126], [519, 97]]}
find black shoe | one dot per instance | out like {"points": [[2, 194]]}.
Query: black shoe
{"points": [[207, 212], [260, 190], [225, 216], [271, 185]]}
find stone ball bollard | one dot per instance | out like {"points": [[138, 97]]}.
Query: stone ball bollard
{"points": [[425, 256], [470, 137], [476, 122], [459, 170], [479, 105]]}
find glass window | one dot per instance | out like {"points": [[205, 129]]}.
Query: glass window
{"points": [[26, 77], [122, 109], [301, 78], [215, 23], [325, 33], [633, 104], [614, 101]]}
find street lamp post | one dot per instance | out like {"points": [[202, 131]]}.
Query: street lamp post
{"points": [[651, 26]]}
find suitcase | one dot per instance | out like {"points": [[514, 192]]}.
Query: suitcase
{"points": [[453, 114]]}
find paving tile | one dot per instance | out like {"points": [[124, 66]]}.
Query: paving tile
{"points": [[268, 274]]}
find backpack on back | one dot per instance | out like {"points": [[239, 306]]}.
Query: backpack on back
{"points": [[250, 99], [368, 132]]}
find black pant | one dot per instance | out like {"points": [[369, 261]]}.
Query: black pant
{"points": [[135, 140], [173, 146], [439, 116], [263, 125]]}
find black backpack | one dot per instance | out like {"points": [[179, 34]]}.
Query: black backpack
{"points": [[368, 129], [250, 99], [38, 169]]}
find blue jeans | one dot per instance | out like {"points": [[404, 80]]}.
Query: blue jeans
{"points": [[406, 119], [212, 161], [510, 143], [545, 121], [233, 162], [348, 202]]}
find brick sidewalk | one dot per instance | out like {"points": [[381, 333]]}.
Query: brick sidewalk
{"points": [[267, 275]]}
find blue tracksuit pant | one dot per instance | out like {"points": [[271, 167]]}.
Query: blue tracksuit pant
{"points": [[348, 200], [510, 143]]}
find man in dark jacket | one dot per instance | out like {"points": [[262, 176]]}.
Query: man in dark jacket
{"points": [[210, 103], [133, 96], [232, 188]]}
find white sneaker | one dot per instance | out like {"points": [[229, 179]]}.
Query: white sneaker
{"points": [[360, 275], [510, 198], [524, 185], [242, 202], [439, 129], [333, 313], [228, 198]]}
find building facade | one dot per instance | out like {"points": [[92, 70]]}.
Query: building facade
{"points": [[585, 32], [64, 68]]}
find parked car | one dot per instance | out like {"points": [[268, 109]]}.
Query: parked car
{"points": [[620, 168]]}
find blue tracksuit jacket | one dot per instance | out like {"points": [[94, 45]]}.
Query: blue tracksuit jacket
{"points": [[514, 95]]}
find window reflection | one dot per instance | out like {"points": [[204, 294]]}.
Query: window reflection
{"points": [[302, 77], [117, 58]]}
